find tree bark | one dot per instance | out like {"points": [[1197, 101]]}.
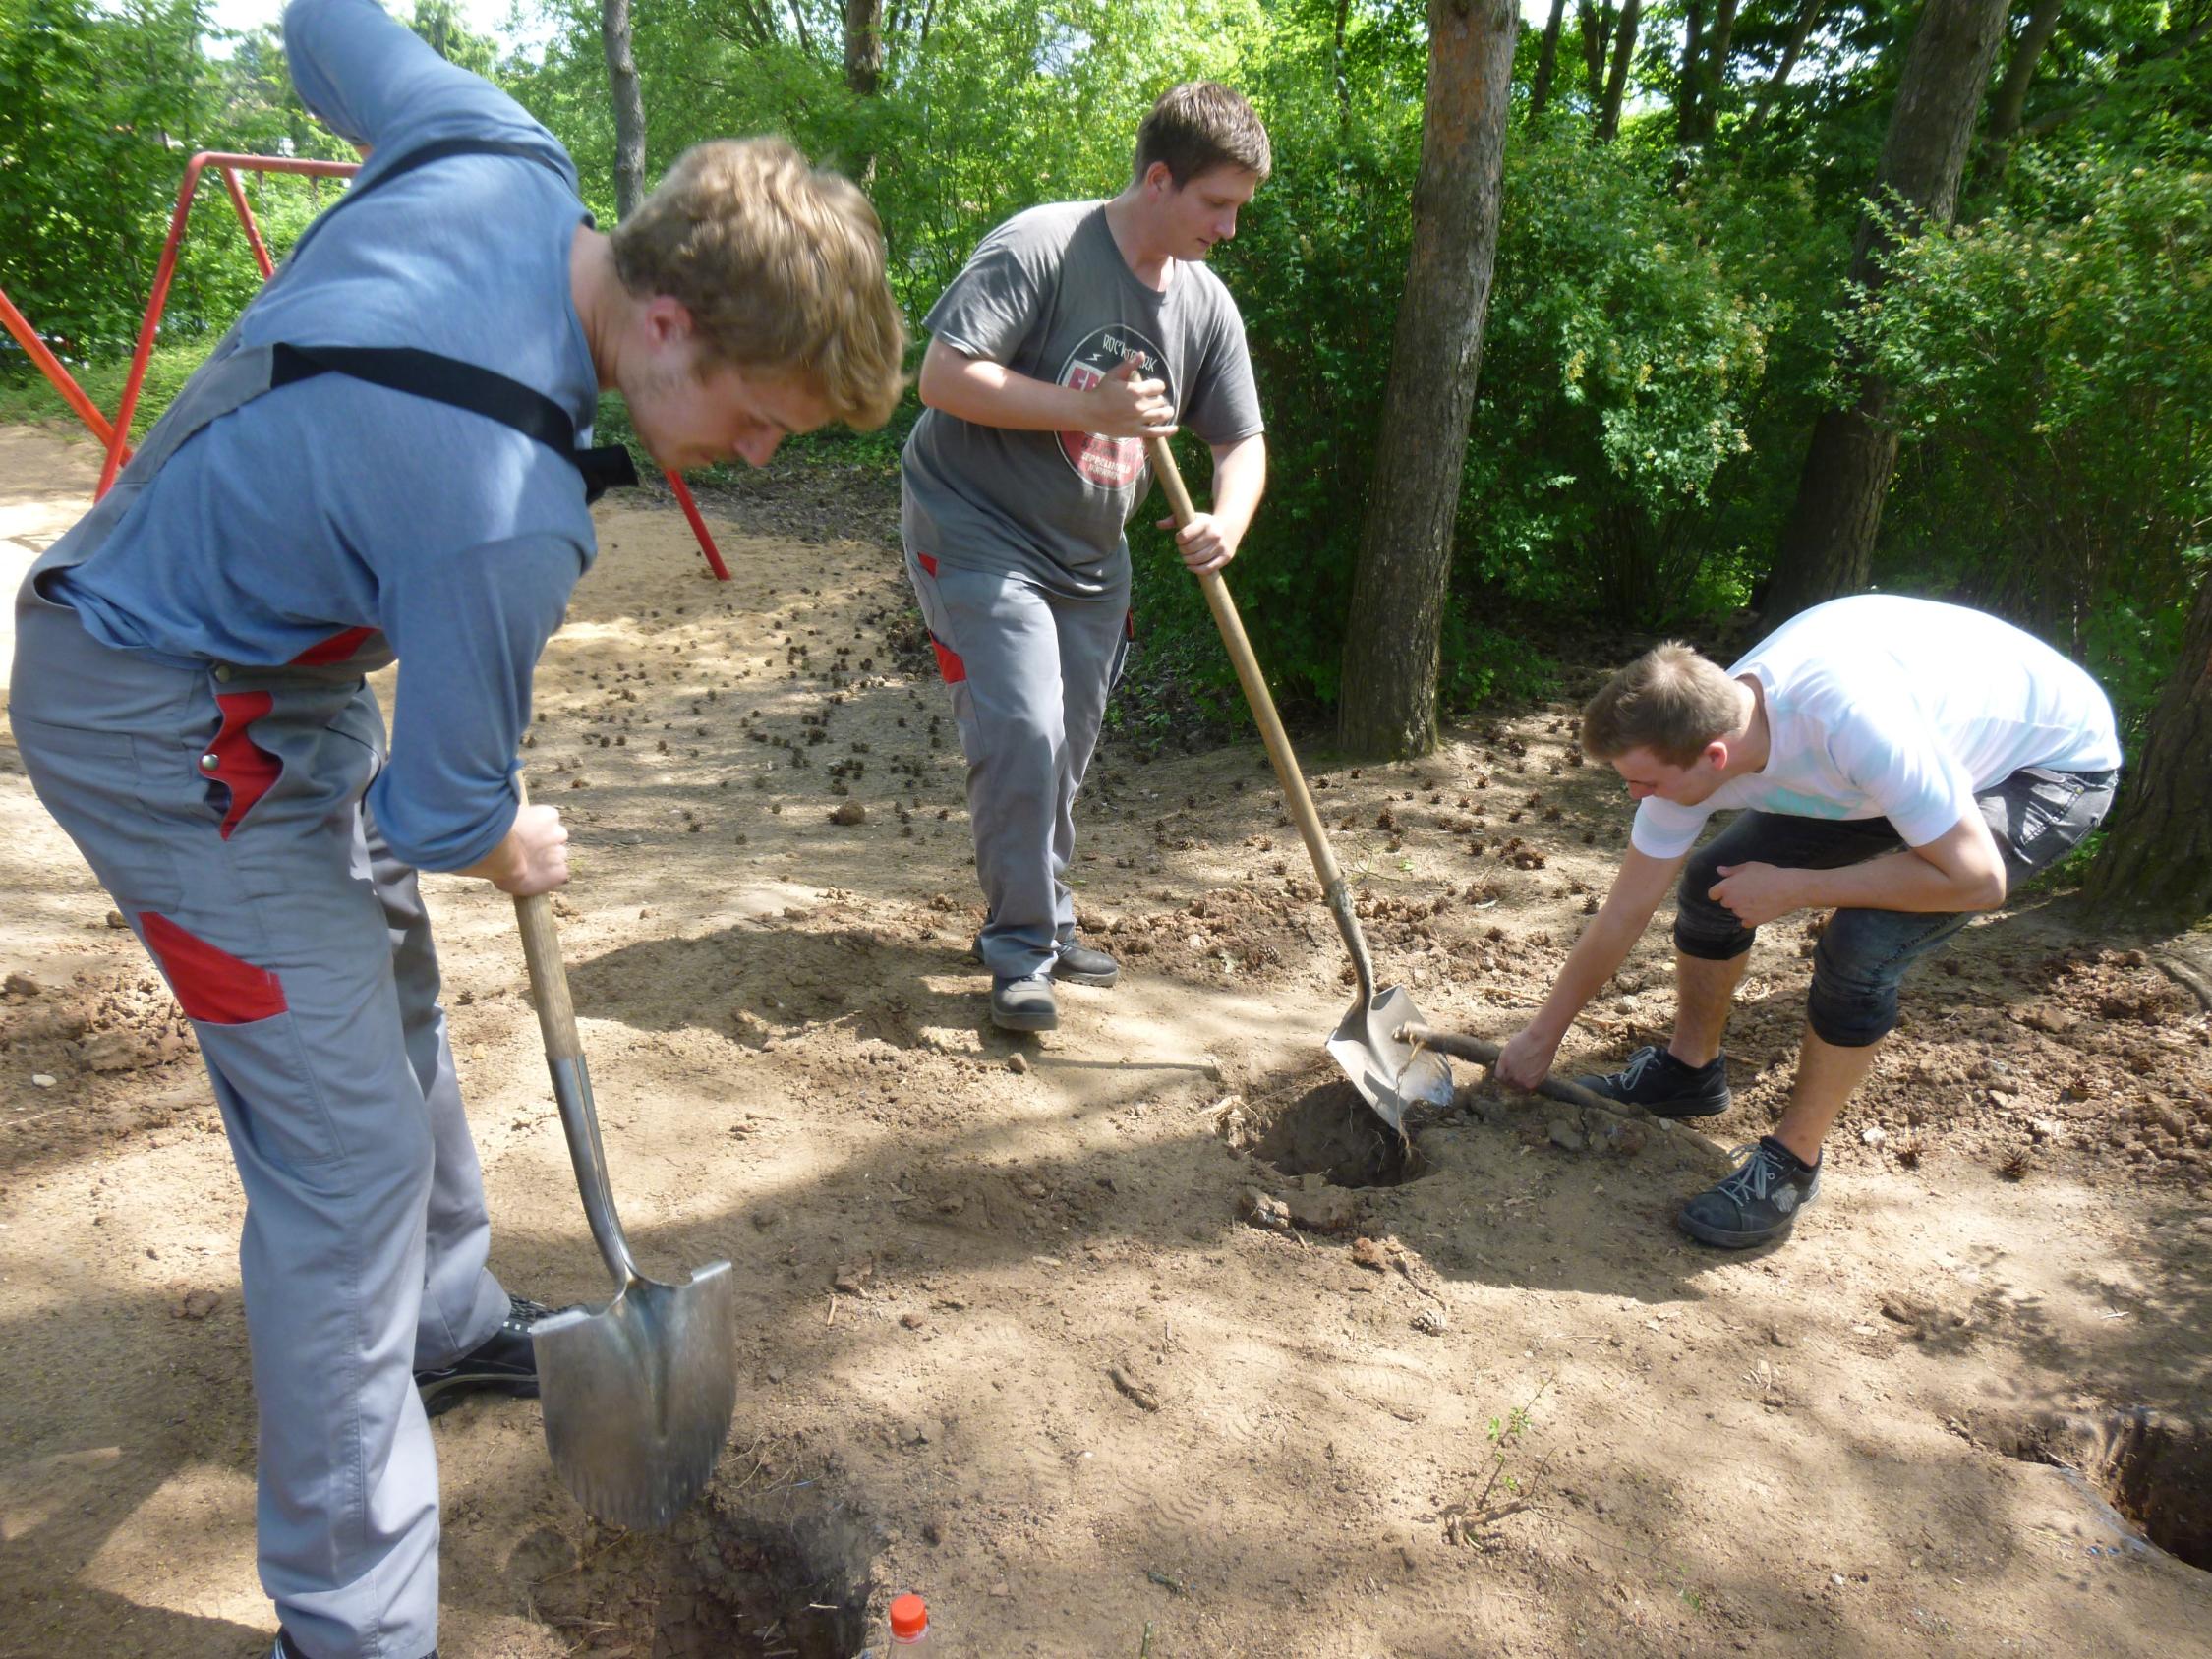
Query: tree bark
{"points": [[1597, 31], [1548, 60], [629, 106], [1343, 79], [1693, 73], [1713, 72], [1828, 543], [863, 46], [1403, 577], [2157, 860], [2011, 98], [1616, 83], [1807, 15]]}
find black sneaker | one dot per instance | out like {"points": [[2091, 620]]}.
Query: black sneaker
{"points": [[1079, 964], [287, 1648], [1664, 1086], [1024, 1004], [1758, 1203], [503, 1362]]}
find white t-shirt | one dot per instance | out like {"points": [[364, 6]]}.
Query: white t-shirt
{"points": [[1884, 707]]}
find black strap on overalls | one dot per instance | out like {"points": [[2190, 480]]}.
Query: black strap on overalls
{"points": [[448, 379]]}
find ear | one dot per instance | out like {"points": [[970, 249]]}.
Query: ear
{"points": [[666, 320], [1716, 751], [1159, 180]]}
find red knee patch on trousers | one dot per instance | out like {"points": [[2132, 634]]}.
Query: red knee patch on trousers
{"points": [[949, 664], [928, 562], [210, 983], [247, 768]]}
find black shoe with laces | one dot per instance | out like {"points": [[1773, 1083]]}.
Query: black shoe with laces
{"points": [[1664, 1086], [505, 1362], [1760, 1202]]}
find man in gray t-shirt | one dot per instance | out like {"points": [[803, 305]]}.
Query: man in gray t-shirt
{"points": [[1076, 330]]}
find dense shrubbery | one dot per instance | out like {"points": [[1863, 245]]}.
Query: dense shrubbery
{"points": [[1662, 326]]}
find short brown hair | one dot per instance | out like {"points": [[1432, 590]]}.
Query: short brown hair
{"points": [[1670, 701], [1200, 126], [780, 264]]}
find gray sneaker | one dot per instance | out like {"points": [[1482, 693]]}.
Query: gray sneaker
{"points": [[1024, 1004]]}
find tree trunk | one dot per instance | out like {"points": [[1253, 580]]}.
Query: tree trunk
{"points": [[1548, 60], [1719, 40], [629, 106], [1616, 83], [2157, 859], [863, 46], [1343, 79], [1807, 15], [2011, 98], [1597, 30], [1403, 578], [1693, 75], [1828, 543]]}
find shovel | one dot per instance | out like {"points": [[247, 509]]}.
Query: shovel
{"points": [[638, 1394], [1391, 1075]]}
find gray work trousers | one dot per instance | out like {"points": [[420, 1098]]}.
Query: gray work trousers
{"points": [[1030, 671], [222, 810]]}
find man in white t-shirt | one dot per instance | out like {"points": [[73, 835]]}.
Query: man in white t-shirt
{"points": [[1901, 762]]}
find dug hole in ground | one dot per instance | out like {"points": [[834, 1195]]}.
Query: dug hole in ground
{"points": [[1137, 1337]]}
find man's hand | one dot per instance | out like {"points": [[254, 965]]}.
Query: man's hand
{"points": [[1526, 1059], [532, 859], [1204, 543], [1127, 407], [1757, 893]]}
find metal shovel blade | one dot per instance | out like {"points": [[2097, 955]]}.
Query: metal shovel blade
{"points": [[1391, 1075], [638, 1394]]}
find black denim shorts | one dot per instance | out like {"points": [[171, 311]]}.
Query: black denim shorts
{"points": [[2037, 815]]}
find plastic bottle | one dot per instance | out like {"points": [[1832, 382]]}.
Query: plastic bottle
{"points": [[909, 1621]]}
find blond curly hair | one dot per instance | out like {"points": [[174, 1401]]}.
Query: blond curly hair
{"points": [[780, 264]]}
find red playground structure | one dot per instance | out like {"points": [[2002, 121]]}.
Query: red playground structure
{"points": [[115, 434]]}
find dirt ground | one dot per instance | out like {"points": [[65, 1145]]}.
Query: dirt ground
{"points": [[1025, 1329]]}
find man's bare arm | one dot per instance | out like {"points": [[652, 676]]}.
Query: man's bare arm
{"points": [[1959, 870], [1603, 945], [990, 394]]}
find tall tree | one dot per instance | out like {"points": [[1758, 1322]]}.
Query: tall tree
{"points": [[2157, 855], [1596, 22], [629, 106], [863, 46], [2010, 100], [1617, 78], [1828, 542], [1692, 56], [1403, 574], [1547, 59], [1713, 69], [1808, 13]]}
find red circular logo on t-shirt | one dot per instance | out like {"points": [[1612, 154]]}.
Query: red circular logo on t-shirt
{"points": [[1111, 463]]}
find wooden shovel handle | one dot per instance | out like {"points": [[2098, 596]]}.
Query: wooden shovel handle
{"points": [[1232, 627], [549, 974]]}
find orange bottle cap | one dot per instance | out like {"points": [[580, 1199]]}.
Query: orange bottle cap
{"points": [[910, 1617]]}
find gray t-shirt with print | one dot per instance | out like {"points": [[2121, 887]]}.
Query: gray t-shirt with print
{"points": [[1049, 295]]}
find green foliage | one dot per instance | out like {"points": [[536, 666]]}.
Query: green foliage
{"points": [[2050, 368], [1664, 322]]}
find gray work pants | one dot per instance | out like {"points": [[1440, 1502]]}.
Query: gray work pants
{"points": [[1030, 671], [222, 810]]}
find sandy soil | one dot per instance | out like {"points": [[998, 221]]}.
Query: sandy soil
{"points": [[1023, 1330]]}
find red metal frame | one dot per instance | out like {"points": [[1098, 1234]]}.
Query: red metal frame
{"points": [[115, 436]]}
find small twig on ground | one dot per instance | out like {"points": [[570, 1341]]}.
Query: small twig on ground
{"points": [[1138, 1394]]}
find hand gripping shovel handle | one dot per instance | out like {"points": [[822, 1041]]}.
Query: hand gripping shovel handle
{"points": [[1271, 724], [572, 1084]]}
